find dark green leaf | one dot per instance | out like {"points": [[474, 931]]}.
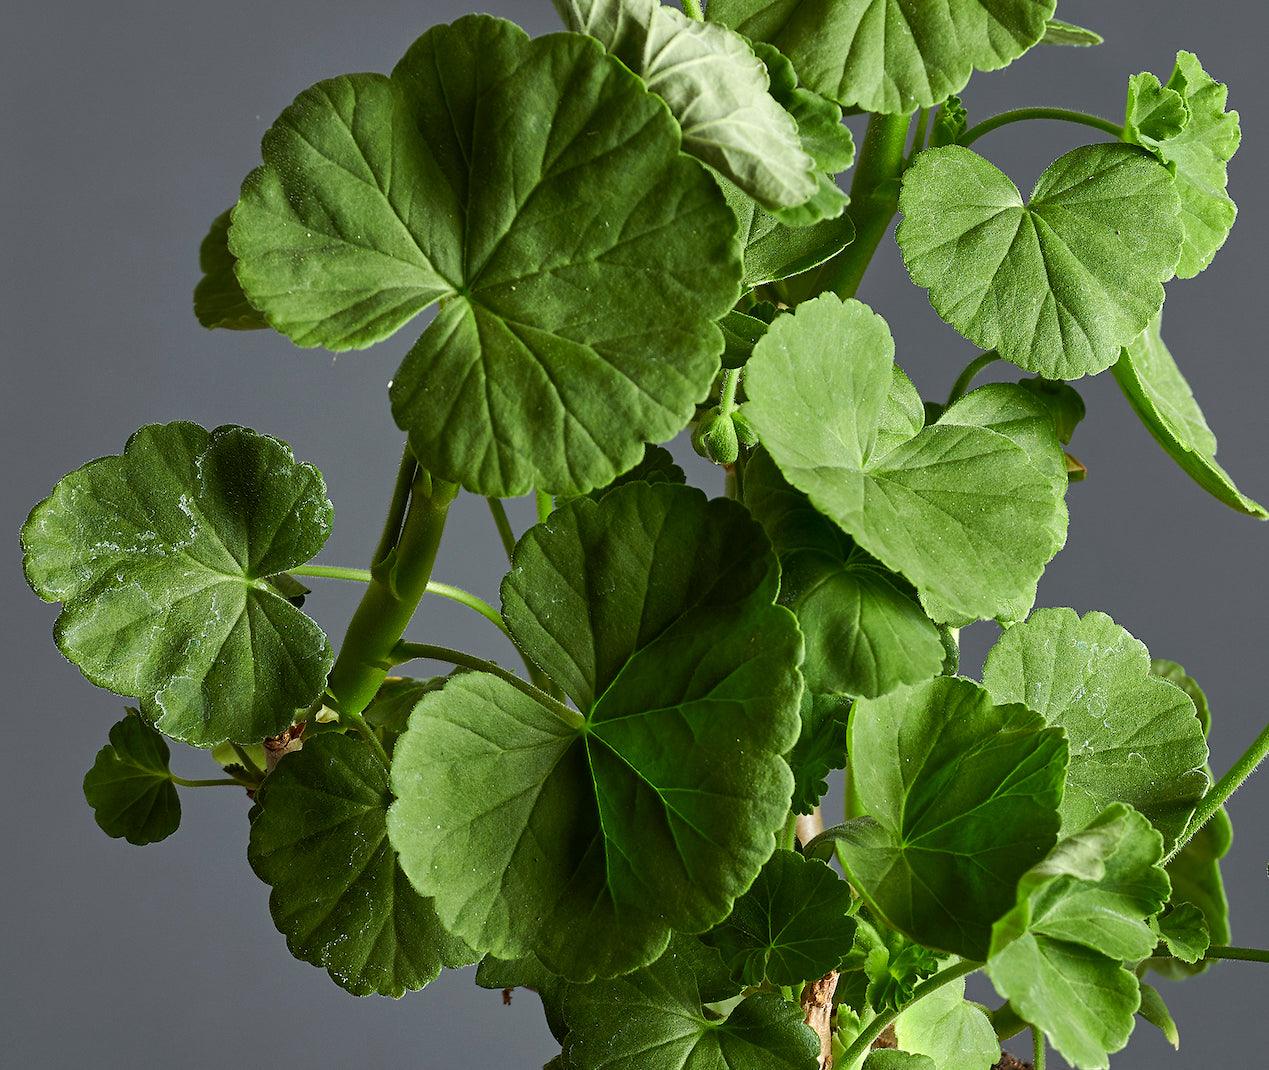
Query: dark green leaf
{"points": [[741, 333], [774, 250], [531, 974], [821, 747], [319, 838], [161, 559], [130, 786], [951, 123], [218, 297], [658, 466], [396, 699]]}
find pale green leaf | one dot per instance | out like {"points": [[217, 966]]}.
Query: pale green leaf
{"points": [[1059, 32], [954, 1033], [1134, 737], [792, 925], [961, 797], [1058, 286], [890, 56], [218, 297], [1156, 1012], [1154, 112], [585, 839], [457, 180], [1183, 930], [161, 559], [960, 511], [889, 1059], [319, 838], [130, 786], [657, 1017], [1159, 394]]}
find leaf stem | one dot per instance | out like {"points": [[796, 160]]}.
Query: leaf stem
{"points": [[727, 396], [1039, 1050], [404, 651], [219, 782], [966, 378], [247, 762], [1222, 790], [1239, 954], [545, 505], [918, 139], [508, 537], [1019, 115], [334, 572], [856, 1052], [366, 732], [692, 9], [406, 471]]}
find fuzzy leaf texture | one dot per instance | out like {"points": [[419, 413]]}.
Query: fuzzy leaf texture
{"points": [[130, 786], [161, 558]]}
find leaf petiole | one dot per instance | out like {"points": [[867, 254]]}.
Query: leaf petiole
{"points": [[218, 782], [1238, 954], [363, 729], [499, 513], [247, 762], [1039, 1050], [1019, 115], [966, 378], [692, 9]]}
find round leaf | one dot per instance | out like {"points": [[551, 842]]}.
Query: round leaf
{"points": [[952, 1032], [130, 786], [1059, 285], [161, 559], [319, 837], [584, 839]]}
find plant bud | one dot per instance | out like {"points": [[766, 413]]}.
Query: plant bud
{"points": [[715, 438]]}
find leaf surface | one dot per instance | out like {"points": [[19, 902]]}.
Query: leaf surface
{"points": [[130, 786], [952, 1032], [821, 747]]}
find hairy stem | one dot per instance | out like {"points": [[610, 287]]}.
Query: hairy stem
{"points": [[693, 10], [1239, 954], [1019, 115], [1039, 1050]]}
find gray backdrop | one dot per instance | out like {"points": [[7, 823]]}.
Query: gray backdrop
{"points": [[127, 127]]}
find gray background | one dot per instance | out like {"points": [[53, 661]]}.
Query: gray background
{"points": [[127, 127]]}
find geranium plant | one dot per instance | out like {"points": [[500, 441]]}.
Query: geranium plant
{"points": [[629, 229]]}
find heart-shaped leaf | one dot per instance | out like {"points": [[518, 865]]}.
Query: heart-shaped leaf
{"points": [[584, 839], [319, 838], [1134, 737], [458, 179], [161, 559], [130, 786], [960, 511], [1059, 285]]}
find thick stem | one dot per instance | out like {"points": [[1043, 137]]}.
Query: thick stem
{"points": [[400, 581], [1006, 1022], [1039, 1050], [1019, 115], [817, 1012]]}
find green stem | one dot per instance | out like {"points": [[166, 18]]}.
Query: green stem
{"points": [[1222, 790], [406, 471], [400, 581], [545, 504], [404, 651], [503, 525], [221, 782], [863, 1043], [246, 761], [727, 396], [966, 378], [1019, 115], [789, 834], [334, 572], [1239, 954], [918, 139], [368, 734], [874, 199], [1039, 1050], [692, 9]]}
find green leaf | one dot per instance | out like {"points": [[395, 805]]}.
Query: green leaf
{"points": [[1059, 32], [894, 967], [821, 747], [960, 511], [952, 121], [774, 251], [658, 466], [1063, 402], [1176, 675], [715, 87], [954, 1033], [585, 839], [890, 56], [319, 838], [1198, 154], [161, 558], [1058, 286], [1134, 737], [889, 1059], [793, 925], [1154, 112], [658, 1017], [1057, 955], [457, 180], [1156, 1012], [864, 628], [1196, 879], [961, 797], [1159, 394], [531, 974], [218, 297], [395, 700], [130, 786], [1184, 930], [741, 333]]}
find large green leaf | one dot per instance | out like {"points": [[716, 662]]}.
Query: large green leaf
{"points": [[658, 1017], [536, 189], [1161, 397], [1198, 153], [319, 838], [961, 797], [130, 786], [959, 510], [161, 559], [1058, 285], [218, 297], [1134, 737], [792, 925], [715, 87], [890, 55], [1058, 955], [584, 839], [954, 1033], [864, 627]]}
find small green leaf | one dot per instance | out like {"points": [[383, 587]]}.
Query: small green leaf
{"points": [[1156, 1012], [658, 1017], [960, 511], [741, 333], [821, 747], [1059, 285], [864, 627], [1059, 32], [1063, 402], [1176, 675], [457, 180], [1154, 112], [218, 297], [161, 559], [1134, 737], [319, 838], [961, 797], [1159, 394], [954, 1033], [890, 56], [585, 838], [951, 123], [1184, 930], [1198, 155], [395, 700], [130, 786], [793, 925], [715, 87], [894, 967]]}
